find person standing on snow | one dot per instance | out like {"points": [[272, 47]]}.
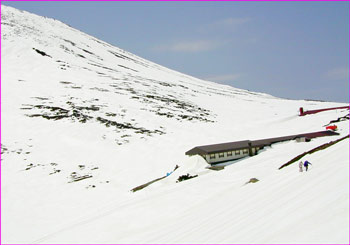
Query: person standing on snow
{"points": [[301, 166], [306, 165]]}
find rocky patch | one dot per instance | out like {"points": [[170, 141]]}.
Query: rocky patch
{"points": [[83, 114], [138, 130], [41, 52], [185, 177]]}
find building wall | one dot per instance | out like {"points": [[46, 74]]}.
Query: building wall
{"points": [[225, 156], [254, 151]]}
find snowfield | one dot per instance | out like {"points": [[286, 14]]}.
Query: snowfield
{"points": [[84, 122]]}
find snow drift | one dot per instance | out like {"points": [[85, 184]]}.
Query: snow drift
{"points": [[84, 122]]}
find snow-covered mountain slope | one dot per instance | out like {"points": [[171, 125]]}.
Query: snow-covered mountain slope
{"points": [[84, 122]]}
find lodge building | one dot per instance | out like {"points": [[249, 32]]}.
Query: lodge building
{"points": [[218, 153]]}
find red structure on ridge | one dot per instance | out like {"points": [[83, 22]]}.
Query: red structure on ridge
{"points": [[303, 113]]}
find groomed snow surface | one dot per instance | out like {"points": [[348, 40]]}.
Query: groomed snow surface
{"points": [[52, 134]]}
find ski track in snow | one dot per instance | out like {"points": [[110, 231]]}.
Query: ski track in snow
{"points": [[84, 122]]}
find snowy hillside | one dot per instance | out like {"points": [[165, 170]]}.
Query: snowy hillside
{"points": [[84, 122]]}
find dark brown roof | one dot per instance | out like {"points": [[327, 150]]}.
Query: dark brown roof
{"points": [[231, 146], [207, 149], [319, 134]]}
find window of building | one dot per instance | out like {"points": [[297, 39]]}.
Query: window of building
{"points": [[212, 156], [237, 152], [229, 153], [221, 154], [245, 151]]}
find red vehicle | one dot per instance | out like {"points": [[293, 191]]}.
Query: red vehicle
{"points": [[332, 127]]}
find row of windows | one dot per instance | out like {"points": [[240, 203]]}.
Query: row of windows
{"points": [[229, 153]]}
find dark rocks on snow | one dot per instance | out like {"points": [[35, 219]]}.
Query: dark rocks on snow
{"points": [[185, 177], [42, 52]]}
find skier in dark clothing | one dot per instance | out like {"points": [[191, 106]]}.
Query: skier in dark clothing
{"points": [[306, 165]]}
